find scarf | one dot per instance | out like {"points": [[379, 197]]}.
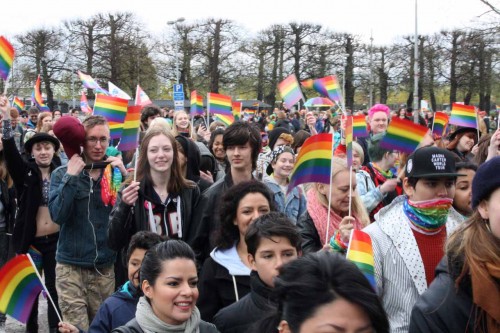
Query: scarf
{"points": [[386, 174], [429, 216], [319, 215], [486, 294], [150, 323], [110, 185]]}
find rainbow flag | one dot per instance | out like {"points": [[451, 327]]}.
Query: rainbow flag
{"points": [[360, 252], [114, 109], [359, 126], [329, 86], [196, 103], [37, 97], [313, 164], [89, 83], [290, 91], [403, 135], [348, 140], [439, 124], [463, 115], [84, 104], [18, 104], [236, 106], [19, 287], [308, 84], [130, 133], [6, 57], [218, 104], [227, 120]]}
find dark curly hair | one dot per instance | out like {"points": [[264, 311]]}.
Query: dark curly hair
{"points": [[227, 233]]}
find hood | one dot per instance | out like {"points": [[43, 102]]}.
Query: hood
{"points": [[230, 260], [207, 161], [127, 292]]}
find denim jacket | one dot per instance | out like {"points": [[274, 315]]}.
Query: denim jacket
{"points": [[295, 203], [75, 204], [370, 195]]}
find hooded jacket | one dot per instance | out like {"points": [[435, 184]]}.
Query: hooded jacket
{"points": [[224, 280]]}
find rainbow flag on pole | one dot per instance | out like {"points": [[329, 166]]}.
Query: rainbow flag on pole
{"points": [[360, 252], [130, 134], [440, 121], [313, 164], [403, 135], [18, 104], [237, 106], [114, 109], [37, 97], [307, 83], [359, 126], [89, 83], [463, 115], [220, 106], [19, 287], [196, 103], [348, 140], [6, 57], [290, 91], [329, 86]]}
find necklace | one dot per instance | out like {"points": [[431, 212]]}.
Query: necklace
{"points": [[162, 194]]}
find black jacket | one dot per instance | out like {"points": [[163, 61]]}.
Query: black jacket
{"points": [[27, 180], [363, 142], [216, 288], [240, 316], [443, 308], [125, 220], [133, 327], [310, 237]]}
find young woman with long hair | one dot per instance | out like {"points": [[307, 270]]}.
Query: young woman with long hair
{"points": [[181, 125]]}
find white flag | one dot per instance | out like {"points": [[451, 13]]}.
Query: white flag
{"points": [[141, 98], [117, 92]]}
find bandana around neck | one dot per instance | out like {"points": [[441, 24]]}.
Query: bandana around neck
{"points": [[429, 216]]}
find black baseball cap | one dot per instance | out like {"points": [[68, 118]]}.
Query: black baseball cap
{"points": [[431, 162]]}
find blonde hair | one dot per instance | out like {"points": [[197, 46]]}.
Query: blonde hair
{"points": [[160, 122], [358, 209], [190, 129]]}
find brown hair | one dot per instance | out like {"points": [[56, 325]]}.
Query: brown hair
{"points": [[14, 113], [177, 181], [482, 149], [454, 143], [93, 121], [41, 117]]}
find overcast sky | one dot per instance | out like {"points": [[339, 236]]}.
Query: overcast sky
{"points": [[386, 19]]}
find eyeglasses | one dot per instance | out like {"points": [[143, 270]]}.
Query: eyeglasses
{"points": [[93, 141]]}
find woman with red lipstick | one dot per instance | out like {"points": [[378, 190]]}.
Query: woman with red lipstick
{"points": [[169, 282]]}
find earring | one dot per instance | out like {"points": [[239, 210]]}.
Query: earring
{"points": [[487, 224]]}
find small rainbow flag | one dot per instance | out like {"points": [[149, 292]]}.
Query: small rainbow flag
{"points": [[218, 104], [19, 287], [84, 104], [328, 86], [439, 124], [89, 83], [290, 91], [18, 104], [359, 126], [348, 140], [37, 97], [6, 57], [308, 84], [196, 103], [314, 161], [403, 135], [130, 135], [114, 109], [237, 109], [360, 252], [463, 115], [227, 120]]}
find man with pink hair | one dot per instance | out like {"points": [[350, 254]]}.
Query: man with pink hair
{"points": [[378, 117]]}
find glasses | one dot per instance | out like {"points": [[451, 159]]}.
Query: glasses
{"points": [[93, 141]]}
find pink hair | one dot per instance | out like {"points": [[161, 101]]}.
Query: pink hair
{"points": [[379, 108]]}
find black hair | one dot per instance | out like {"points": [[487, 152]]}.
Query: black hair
{"points": [[375, 151], [314, 280], [148, 111], [466, 166], [274, 224], [152, 264], [213, 135], [228, 233], [143, 240], [239, 133], [412, 181]]}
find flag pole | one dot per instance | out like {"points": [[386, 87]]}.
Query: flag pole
{"points": [[350, 190], [44, 287], [207, 121], [329, 198], [477, 124], [135, 164]]}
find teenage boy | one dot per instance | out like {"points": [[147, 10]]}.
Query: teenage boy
{"points": [[119, 308], [408, 235], [272, 241]]}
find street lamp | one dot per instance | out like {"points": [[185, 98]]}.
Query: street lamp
{"points": [[179, 20]]}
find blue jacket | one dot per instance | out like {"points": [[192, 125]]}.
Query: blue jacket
{"points": [[295, 203], [369, 193], [75, 204], [117, 310]]}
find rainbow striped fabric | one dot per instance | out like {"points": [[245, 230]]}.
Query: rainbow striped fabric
{"points": [[84, 104], [37, 97], [19, 287], [6, 57], [403, 135], [89, 83], [237, 106], [360, 252], [440, 121], [329, 86], [359, 126], [313, 164], [227, 120], [18, 104], [290, 91], [196, 103], [463, 115], [218, 104], [130, 133], [308, 84], [114, 109], [348, 139]]}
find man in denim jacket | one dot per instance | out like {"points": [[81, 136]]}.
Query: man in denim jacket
{"points": [[84, 271]]}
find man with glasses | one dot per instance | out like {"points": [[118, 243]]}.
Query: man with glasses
{"points": [[84, 271], [32, 117]]}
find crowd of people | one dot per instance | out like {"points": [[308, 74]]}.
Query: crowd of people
{"points": [[206, 234]]}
